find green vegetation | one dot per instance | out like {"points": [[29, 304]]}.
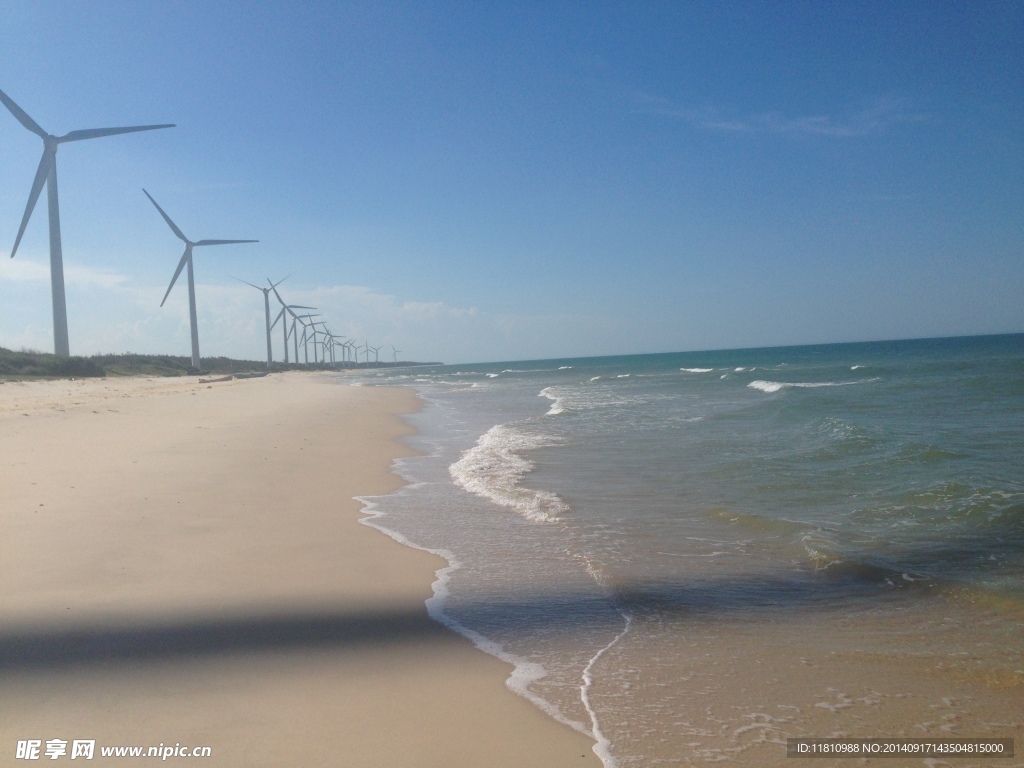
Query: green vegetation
{"points": [[28, 364]]}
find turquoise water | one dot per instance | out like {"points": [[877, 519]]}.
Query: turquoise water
{"points": [[611, 522]]}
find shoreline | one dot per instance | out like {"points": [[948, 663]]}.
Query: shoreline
{"points": [[183, 563]]}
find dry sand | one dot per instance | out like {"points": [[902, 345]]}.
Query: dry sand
{"points": [[181, 562]]}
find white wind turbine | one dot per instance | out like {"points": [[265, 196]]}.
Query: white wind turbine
{"points": [[287, 309], [266, 306], [395, 352], [352, 347], [336, 340], [282, 317], [327, 344], [47, 172], [323, 351], [186, 259], [305, 337]]}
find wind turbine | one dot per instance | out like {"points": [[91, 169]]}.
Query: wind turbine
{"points": [[353, 352], [282, 316], [323, 352], [305, 337], [266, 306], [395, 353], [327, 344], [186, 259], [287, 308], [47, 172], [333, 340]]}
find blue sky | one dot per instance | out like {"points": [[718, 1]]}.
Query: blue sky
{"points": [[483, 181]]}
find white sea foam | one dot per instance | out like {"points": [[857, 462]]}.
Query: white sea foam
{"points": [[558, 406], [775, 386], [492, 375], [697, 370], [623, 376], [603, 747], [595, 378], [493, 469], [564, 367]]}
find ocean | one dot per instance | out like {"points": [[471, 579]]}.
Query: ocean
{"points": [[692, 557]]}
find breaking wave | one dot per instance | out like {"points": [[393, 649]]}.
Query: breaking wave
{"points": [[775, 386], [494, 468]]}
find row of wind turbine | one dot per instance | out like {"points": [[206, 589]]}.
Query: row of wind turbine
{"points": [[47, 173]]}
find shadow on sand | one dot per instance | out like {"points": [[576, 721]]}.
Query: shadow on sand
{"points": [[48, 648]]}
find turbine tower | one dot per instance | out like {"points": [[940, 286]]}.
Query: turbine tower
{"points": [[186, 259], [47, 172], [266, 307]]}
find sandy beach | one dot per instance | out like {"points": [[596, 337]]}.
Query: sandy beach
{"points": [[181, 562]]}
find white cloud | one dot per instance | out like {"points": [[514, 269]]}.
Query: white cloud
{"points": [[23, 271]]}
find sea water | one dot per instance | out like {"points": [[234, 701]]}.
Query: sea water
{"points": [[692, 557]]}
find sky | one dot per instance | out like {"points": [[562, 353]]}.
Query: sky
{"points": [[469, 182]]}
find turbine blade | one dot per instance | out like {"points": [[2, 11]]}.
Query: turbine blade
{"points": [[291, 307], [248, 283], [279, 314], [45, 163], [278, 295], [171, 224], [181, 265], [224, 242], [274, 285], [22, 116], [95, 133]]}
